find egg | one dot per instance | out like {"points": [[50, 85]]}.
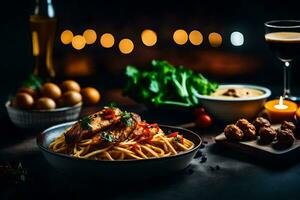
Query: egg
{"points": [[72, 98], [90, 95], [28, 90], [45, 103], [60, 102], [70, 85], [51, 90], [23, 100]]}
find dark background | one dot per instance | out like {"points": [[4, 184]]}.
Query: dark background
{"points": [[250, 63]]}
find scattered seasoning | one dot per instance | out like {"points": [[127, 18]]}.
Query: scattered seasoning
{"points": [[211, 168], [12, 174], [217, 167], [203, 159], [202, 146], [190, 171], [198, 154]]}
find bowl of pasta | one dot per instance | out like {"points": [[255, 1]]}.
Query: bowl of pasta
{"points": [[112, 143]]}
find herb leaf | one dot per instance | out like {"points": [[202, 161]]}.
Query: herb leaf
{"points": [[33, 82], [112, 104], [176, 139], [107, 136], [126, 118], [85, 123]]}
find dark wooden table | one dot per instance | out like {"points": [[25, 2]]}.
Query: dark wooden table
{"points": [[225, 175]]}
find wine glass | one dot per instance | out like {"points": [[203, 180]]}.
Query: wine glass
{"points": [[283, 38]]}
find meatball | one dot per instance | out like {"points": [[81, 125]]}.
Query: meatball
{"points": [[285, 137], [267, 135], [288, 125], [242, 123], [247, 128], [232, 132], [260, 122]]}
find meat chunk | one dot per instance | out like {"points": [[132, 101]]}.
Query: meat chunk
{"points": [[247, 128], [288, 125], [285, 137], [90, 125], [267, 135], [260, 122], [122, 130], [233, 132]]}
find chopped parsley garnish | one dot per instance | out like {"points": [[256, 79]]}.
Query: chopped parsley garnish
{"points": [[176, 139], [85, 123], [113, 104], [107, 136], [126, 118]]}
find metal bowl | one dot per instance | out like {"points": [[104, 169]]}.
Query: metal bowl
{"points": [[119, 168], [39, 119]]}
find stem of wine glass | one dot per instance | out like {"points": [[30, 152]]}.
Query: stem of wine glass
{"points": [[286, 79]]}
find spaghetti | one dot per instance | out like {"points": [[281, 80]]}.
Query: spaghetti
{"points": [[146, 141], [119, 140]]}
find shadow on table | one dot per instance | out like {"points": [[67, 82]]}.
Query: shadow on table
{"points": [[276, 164], [51, 184]]}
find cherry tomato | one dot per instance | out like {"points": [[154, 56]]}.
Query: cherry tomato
{"points": [[203, 121]]}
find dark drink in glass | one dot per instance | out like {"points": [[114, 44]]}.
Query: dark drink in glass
{"points": [[286, 45], [283, 38]]}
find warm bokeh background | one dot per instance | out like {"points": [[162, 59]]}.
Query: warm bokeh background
{"points": [[251, 62]]}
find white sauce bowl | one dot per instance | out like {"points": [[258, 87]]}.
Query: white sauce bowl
{"points": [[232, 109]]}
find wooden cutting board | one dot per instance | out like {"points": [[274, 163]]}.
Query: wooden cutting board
{"points": [[256, 149]]}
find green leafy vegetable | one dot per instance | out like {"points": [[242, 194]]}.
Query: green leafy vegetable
{"points": [[85, 123], [165, 84]]}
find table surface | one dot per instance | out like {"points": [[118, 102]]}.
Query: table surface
{"points": [[239, 176]]}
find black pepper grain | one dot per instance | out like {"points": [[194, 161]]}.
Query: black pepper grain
{"points": [[198, 154], [203, 159], [190, 171]]}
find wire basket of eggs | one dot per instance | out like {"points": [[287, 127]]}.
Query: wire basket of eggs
{"points": [[39, 105]]}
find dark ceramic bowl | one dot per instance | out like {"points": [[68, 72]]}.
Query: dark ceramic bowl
{"points": [[120, 168]]}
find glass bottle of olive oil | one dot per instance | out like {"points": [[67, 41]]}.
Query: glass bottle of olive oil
{"points": [[43, 27]]}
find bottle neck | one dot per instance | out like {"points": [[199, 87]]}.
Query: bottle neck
{"points": [[44, 8]]}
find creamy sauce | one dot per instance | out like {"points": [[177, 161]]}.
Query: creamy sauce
{"points": [[237, 92]]}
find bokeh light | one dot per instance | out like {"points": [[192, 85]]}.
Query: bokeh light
{"points": [[126, 46], [66, 37], [149, 37], [90, 36], [195, 37], [107, 40], [237, 38], [180, 37], [215, 39], [78, 42]]}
